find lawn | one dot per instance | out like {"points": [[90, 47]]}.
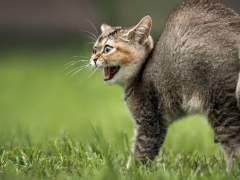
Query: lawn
{"points": [[62, 127]]}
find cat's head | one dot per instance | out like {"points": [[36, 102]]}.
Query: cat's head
{"points": [[122, 51]]}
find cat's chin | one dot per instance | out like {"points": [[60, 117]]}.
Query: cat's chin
{"points": [[113, 80]]}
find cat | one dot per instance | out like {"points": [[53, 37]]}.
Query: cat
{"points": [[193, 68]]}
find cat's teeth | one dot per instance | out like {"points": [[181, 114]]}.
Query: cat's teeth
{"points": [[107, 73]]}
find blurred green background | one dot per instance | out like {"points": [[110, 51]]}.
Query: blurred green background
{"points": [[39, 103]]}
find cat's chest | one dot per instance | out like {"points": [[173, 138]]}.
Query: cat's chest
{"points": [[144, 104], [135, 104]]}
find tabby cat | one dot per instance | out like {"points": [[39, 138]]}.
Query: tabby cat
{"points": [[193, 68]]}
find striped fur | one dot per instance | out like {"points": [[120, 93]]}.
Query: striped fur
{"points": [[193, 68]]}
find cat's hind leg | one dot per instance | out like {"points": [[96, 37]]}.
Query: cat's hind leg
{"points": [[224, 116], [231, 154]]}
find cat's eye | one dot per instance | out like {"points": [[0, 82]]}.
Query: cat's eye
{"points": [[107, 49], [94, 50]]}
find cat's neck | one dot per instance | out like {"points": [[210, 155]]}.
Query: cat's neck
{"points": [[136, 82]]}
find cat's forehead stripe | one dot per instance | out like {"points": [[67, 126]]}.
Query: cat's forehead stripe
{"points": [[101, 43], [112, 33], [100, 39]]}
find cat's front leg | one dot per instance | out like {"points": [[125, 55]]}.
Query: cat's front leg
{"points": [[150, 135]]}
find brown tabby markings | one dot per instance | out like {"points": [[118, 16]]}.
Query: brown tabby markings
{"points": [[194, 67]]}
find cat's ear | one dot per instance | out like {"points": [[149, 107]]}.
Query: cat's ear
{"points": [[105, 27], [141, 31]]}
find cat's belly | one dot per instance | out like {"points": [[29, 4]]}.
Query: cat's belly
{"points": [[193, 105]]}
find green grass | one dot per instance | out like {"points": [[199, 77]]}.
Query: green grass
{"points": [[56, 127]]}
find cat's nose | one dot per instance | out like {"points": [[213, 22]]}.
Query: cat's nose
{"points": [[95, 61]]}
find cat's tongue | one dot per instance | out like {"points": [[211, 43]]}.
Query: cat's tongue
{"points": [[109, 72]]}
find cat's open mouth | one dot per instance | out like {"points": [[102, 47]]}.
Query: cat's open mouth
{"points": [[109, 72]]}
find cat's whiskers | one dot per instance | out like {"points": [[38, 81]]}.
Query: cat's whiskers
{"points": [[72, 63], [85, 72], [93, 72], [93, 27], [86, 57], [91, 42], [80, 69], [90, 33], [82, 56], [90, 37], [77, 69]]}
